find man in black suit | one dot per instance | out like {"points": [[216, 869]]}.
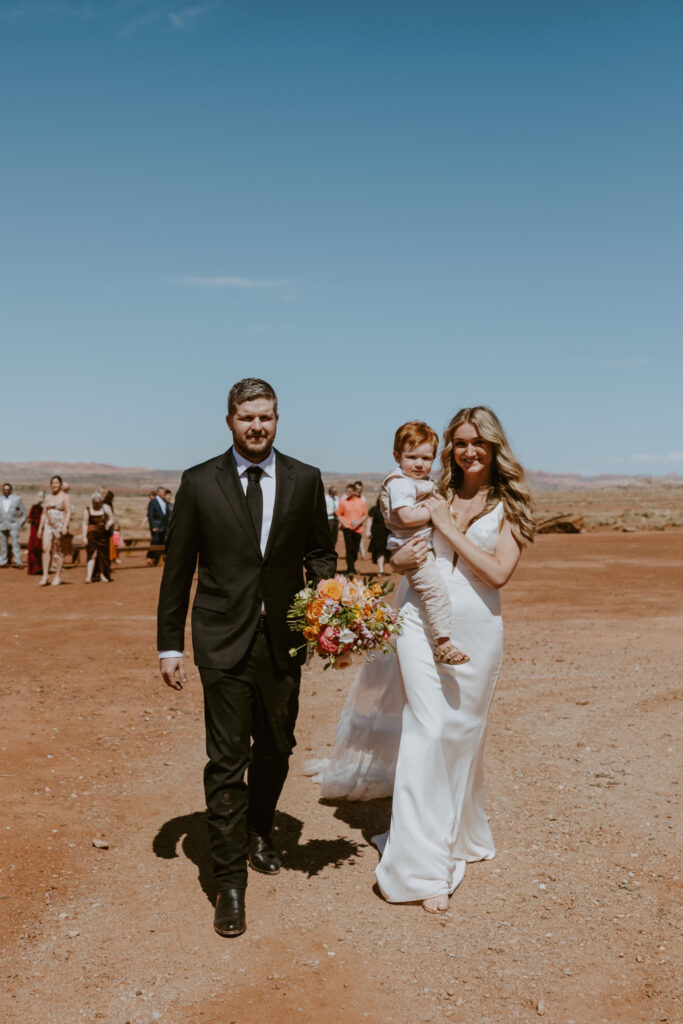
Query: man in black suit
{"points": [[255, 519], [158, 514]]}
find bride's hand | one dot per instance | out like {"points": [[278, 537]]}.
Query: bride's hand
{"points": [[411, 555], [440, 513]]}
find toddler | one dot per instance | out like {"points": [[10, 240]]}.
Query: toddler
{"points": [[401, 493], [117, 542]]}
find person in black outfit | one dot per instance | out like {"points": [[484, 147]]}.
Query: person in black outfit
{"points": [[379, 534], [255, 519]]}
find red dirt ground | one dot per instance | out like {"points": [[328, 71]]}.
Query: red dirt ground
{"points": [[574, 921]]}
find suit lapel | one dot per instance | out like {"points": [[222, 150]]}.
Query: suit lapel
{"points": [[284, 489], [229, 482]]}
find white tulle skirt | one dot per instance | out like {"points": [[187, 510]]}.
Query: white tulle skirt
{"points": [[365, 751]]}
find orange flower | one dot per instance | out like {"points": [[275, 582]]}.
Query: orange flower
{"points": [[331, 589], [376, 589], [311, 632], [367, 611], [314, 610]]}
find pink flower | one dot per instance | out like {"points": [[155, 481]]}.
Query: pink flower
{"points": [[328, 640]]}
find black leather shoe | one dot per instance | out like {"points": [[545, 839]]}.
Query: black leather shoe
{"points": [[262, 854], [230, 917]]}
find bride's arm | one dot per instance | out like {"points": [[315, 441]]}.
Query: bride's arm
{"points": [[495, 569]]}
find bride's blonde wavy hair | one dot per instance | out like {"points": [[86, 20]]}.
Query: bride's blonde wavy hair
{"points": [[508, 481]]}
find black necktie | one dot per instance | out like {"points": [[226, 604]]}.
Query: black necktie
{"points": [[255, 498]]}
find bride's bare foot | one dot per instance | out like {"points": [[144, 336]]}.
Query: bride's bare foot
{"points": [[436, 904], [447, 653]]}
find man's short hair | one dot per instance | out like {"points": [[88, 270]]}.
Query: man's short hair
{"points": [[7, 484], [411, 435], [248, 390]]}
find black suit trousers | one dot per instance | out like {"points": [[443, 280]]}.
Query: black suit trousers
{"points": [[157, 537], [250, 712], [352, 547]]}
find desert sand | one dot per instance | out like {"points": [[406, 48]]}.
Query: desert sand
{"points": [[574, 921]]}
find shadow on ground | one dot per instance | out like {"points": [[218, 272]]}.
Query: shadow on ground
{"points": [[190, 831], [369, 817]]}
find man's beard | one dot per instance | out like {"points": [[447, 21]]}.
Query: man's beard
{"points": [[251, 446]]}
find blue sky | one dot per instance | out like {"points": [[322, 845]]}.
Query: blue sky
{"points": [[387, 209]]}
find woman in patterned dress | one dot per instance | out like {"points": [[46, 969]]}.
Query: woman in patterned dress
{"points": [[54, 526]]}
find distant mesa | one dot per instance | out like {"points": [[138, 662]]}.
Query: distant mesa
{"points": [[101, 472], [86, 473], [544, 481]]}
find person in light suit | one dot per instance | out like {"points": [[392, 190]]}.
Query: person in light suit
{"points": [[12, 518], [255, 520]]}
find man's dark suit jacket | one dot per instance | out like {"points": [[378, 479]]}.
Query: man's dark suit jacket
{"points": [[211, 522], [158, 519]]}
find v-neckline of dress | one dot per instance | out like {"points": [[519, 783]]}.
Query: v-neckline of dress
{"points": [[478, 518]]}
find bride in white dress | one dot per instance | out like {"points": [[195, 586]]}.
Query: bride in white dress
{"points": [[419, 733]]}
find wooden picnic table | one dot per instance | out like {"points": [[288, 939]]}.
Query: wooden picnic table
{"points": [[131, 545]]}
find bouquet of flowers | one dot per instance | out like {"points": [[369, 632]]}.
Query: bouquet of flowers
{"points": [[340, 617]]}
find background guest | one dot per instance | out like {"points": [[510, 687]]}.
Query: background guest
{"points": [[12, 518], [352, 513], [332, 504], [365, 532], [108, 499], [117, 539], [144, 525], [378, 537], [54, 528], [169, 507], [98, 519], [157, 513], [34, 545]]}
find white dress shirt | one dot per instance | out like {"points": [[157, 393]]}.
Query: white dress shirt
{"points": [[267, 480], [331, 504]]}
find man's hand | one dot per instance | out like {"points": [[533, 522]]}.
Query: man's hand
{"points": [[410, 555], [169, 667]]}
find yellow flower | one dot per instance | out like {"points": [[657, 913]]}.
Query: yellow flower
{"points": [[379, 615]]}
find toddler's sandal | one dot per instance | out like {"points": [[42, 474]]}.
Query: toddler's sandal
{"points": [[449, 654]]}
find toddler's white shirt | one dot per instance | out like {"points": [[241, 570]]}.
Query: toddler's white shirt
{"points": [[401, 491]]}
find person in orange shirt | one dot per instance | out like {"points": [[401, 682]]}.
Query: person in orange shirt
{"points": [[352, 513]]}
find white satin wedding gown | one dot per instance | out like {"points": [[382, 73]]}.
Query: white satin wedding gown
{"points": [[419, 732]]}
